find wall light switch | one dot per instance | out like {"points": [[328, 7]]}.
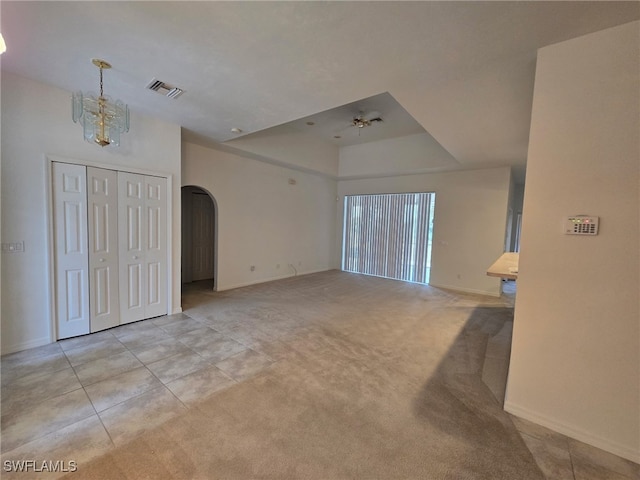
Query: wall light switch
{"points": [[13, 247]]}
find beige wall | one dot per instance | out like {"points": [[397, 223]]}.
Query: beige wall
{"points": [[262, 219], [36, 123], [575, 363], [394, 156], [469, 221], [301, 151]]}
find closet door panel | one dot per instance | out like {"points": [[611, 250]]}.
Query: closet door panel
{"points": [[103, 248], [132, 232], [70, 249], [156, 246]]}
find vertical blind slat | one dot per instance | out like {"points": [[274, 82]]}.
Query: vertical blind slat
{"points": [[389, 235]]}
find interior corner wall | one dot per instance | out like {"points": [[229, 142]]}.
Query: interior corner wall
{"points": [[279, 220], [36, 123], [469, 222], [516, 206], [575, 361]]}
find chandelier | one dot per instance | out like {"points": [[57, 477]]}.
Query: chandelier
{"points": [[102, 119]]}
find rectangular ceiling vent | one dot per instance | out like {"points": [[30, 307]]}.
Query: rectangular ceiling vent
{"points": [[164, 89]]}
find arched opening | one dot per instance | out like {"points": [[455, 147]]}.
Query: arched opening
{"points": [[199, 239]]}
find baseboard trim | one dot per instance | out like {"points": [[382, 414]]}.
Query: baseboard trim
{"points": [[270, 279], [465, 290], [573, 432], [18, 347]]}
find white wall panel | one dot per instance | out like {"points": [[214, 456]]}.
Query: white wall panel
{"points": [[263, 220], [575, 358]]}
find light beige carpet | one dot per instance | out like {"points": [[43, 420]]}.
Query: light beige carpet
{"points": [[373, 379]]}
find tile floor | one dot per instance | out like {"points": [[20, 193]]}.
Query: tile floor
{"points": [[79, 398], [113, 385]]}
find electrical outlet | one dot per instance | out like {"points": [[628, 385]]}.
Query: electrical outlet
{"points": [[252, 268]]}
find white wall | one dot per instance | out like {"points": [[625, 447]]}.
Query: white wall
{"points": [[469, 221], [395, 156], [262, 219], [297, 149], [516, 206], [37, 122], [575, 362]]}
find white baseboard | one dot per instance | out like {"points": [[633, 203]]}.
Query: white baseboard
{"points": [[176, 310], [18, 347], [465, 290], [623, 451], [222, 288]]}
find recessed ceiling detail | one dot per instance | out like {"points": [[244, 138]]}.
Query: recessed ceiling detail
{"points": [[464, 70], [347, 124], [164, 88]]}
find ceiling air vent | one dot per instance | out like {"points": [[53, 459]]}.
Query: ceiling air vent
{"points": [[164, 89]]}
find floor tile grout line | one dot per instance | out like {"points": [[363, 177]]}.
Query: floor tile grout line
{"points": [[162, 384], [36, 377], [33, 439], [41, 402], [188, 347], [133, 397], [123, 373], [113, 444], [97, 413], [573, 468]]}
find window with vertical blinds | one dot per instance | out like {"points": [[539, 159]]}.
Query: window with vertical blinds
{"points": [[389, 235]]}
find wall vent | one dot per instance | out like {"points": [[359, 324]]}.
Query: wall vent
{"points": [[164, 88]]}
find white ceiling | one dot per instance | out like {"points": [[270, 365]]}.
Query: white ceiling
{"points": [[463, 70], [337, 122]]}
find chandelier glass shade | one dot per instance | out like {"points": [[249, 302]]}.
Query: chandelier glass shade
{"points": [[102, 119]]}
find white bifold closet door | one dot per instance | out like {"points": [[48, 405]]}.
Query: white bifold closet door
{"points": [[110, 250], [102, 196], [142, 217], [71, 254]]}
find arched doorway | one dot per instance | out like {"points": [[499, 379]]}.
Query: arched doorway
{"points": [[199, 238]]}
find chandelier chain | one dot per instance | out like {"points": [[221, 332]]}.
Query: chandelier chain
{"points": [[101, 94]]}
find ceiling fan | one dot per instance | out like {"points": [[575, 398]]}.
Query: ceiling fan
{"points": [[361, 120]]}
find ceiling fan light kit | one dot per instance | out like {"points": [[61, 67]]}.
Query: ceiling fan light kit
{"points": [[361, 121]]}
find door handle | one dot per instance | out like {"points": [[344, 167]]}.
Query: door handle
{"points": [[102, 260], [135, 257]]}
